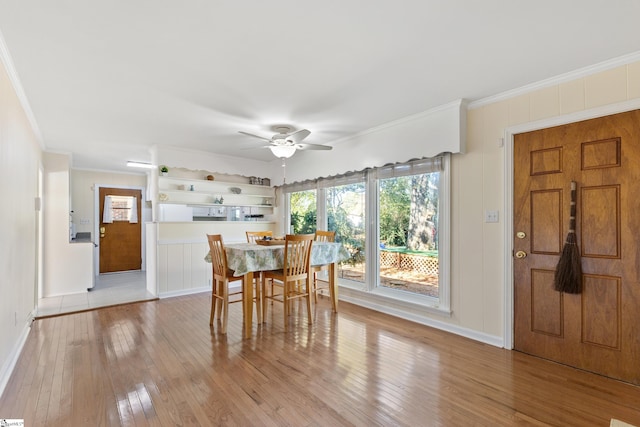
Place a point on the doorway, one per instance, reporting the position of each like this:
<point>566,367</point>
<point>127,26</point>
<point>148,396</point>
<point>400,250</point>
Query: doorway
<point>597,330</point>
<point>119,230</point>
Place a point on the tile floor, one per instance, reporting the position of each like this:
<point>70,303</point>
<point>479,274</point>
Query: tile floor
<point>110,289</point>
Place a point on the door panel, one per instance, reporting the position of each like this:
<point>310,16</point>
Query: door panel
<point>121,242</point>
<point>600,209</point>
<point>601,311</point>
<point>599,329</point>
<point>546,230</point>
<point>546,304</point>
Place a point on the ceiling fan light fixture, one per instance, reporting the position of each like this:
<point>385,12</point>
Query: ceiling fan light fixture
<point>144,165</point>
<point>282,151</point>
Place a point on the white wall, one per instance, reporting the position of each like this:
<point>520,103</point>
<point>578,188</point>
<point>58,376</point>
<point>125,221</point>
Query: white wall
<point>83,183</point>
<point>216,163</point>
<point>20,157</point>
<point>68,267</point>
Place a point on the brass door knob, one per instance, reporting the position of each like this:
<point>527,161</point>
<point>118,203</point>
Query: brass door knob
<point>521,254</point>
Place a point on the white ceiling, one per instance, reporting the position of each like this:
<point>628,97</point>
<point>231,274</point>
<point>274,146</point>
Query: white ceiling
<point>106,80</point>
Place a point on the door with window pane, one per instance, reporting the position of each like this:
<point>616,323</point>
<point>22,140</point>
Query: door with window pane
<point>120,230</point>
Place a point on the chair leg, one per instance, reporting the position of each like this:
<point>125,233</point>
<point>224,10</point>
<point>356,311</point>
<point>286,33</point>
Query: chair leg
<point>314,287</point>
<point>285,308</point>
<point>259,312</point>
<point>263,285</point>
<point>308,298</point>
<point>214,303</point>
<point>220,293</point>
<point>225,307</point>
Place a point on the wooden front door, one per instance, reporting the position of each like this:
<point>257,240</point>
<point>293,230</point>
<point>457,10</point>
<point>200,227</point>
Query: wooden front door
<point>120,240</point>
<point>599,329</point>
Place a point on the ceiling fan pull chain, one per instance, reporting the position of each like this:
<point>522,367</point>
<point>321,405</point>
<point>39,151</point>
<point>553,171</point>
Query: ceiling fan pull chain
<point>284,171</point>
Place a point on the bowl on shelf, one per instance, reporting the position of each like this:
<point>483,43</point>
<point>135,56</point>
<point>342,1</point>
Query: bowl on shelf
<point>235,190</point>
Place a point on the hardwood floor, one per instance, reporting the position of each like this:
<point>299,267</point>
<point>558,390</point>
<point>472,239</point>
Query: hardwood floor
<point>158,363</point>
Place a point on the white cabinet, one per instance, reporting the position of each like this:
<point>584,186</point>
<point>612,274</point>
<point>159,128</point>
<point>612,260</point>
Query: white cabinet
<point>175,213</point>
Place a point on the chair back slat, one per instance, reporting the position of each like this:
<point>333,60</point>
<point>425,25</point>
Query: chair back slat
<point>218,255</point>
<point>325,236</point>
<point>252,236</point>
<point>297,254</point>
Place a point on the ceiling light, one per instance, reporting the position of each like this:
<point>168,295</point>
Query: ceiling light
<point>140,165</point>
<point>282,151</point>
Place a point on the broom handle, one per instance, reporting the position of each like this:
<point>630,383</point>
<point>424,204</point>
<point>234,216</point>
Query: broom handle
<point>572,212</point>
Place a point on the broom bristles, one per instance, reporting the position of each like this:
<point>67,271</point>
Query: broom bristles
<point>568,276</point>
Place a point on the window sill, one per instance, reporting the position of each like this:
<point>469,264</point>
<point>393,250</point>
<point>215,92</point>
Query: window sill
<point>389,301</point>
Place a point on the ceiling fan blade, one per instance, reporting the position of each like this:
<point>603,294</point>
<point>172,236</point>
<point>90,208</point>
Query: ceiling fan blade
<point>298,135</point>
<point>303,146</point>
<point>253,148</point>
<point>255,136</point>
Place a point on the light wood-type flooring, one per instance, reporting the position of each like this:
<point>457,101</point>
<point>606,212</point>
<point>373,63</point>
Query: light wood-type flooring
<point>158,363</point>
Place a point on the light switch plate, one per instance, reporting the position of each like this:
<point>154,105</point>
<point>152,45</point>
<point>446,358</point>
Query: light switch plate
<point>491,216</point>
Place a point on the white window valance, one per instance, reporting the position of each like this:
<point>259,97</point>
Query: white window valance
<point>424,135</point>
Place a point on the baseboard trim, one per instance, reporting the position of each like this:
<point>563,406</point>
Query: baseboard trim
<point>12,361</point>
<point>493,340</point>
<point>182,292</point>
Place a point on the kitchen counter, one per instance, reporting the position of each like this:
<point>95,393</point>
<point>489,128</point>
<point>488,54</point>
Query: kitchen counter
<point>84,237</point>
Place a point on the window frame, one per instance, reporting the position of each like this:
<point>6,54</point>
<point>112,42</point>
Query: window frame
<point>370,178</point>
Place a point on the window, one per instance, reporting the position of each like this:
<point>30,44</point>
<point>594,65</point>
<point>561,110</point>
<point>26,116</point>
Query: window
<point>345,206</point>
<point>408,230</point>
<point>394,223</point>
<point>120,208</point>
<point>303,212</point>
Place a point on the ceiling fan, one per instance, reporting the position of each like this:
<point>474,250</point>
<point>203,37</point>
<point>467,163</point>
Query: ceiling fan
<point>287,140</point>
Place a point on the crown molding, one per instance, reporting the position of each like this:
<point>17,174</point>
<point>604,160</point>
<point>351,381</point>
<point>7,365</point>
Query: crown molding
<point>461,104</point>
<point>562,78</point>
<point>5,58</point>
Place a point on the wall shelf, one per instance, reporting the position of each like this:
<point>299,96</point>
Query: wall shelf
<point>177,190</point>
<point>253,200</point>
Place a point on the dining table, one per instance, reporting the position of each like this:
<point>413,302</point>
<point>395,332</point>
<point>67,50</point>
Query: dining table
<point>245,259</point>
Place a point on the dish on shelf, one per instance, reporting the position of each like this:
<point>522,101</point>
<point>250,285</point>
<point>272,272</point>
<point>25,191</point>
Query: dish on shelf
<point>163,197</point>
<point>235,190</point>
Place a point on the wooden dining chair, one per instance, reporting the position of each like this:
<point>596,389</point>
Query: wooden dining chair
<point>294,275</point>
<point>320,236</point>
<point>222,276</point>
<point>252,236</point>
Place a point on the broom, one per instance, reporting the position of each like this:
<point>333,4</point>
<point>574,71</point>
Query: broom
<point>568,276</point>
